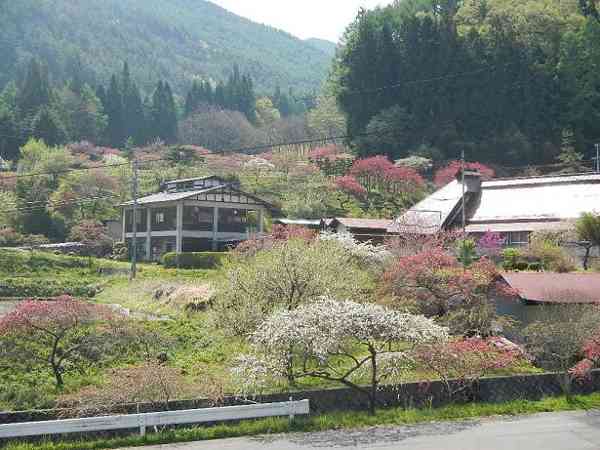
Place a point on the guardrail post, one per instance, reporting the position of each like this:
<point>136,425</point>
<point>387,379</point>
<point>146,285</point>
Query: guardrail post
<point>291,409</point>
<point>142,419</point>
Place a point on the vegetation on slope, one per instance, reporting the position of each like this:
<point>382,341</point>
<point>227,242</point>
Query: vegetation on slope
<point>174,39</point>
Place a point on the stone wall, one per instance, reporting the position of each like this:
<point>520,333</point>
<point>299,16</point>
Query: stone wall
<point>500,389</point>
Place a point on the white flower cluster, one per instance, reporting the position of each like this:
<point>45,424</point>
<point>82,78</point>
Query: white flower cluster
<point>366,252</point>
<point>329,327</point>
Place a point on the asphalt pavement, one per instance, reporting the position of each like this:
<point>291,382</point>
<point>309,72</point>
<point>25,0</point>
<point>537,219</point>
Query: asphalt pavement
<point>552,431</point>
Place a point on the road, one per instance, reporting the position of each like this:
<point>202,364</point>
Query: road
<point>555,431</point>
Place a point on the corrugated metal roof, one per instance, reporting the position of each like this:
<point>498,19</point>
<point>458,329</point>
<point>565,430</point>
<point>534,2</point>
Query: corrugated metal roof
<point>429,215</point>
<point>541,180</point>
<point>374,224</point>
<point>558,200</point>
<point>555,287</point>
<point>507,227</point>
<point>163,197</point>
<point>512,204</point>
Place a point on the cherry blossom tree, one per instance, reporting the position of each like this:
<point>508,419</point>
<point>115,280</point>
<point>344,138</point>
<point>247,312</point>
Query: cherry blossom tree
<point>350,185</point>
<point>446,174</point>
<point>378,173</point>
<point>337,341</point>
<point>62,335</point>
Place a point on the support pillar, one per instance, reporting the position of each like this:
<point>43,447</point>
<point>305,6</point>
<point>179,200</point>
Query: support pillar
<point>261,221</point>
<point>149,234</point>
<point>215,230</point>
<point>179,243</point>
<point>124,237</point>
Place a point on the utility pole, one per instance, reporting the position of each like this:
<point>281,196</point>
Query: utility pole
<point>135,211</point>
<point>464,201</point>
<point>598,158</point>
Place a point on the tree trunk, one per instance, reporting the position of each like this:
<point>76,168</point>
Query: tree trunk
<point>374,386</point>
<point>586,258</point>
<point>58,376</point>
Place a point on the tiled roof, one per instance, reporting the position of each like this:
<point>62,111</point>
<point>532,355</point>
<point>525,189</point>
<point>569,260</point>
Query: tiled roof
<point>556,287</point>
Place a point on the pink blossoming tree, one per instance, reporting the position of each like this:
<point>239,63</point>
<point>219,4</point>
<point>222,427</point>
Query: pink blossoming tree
<point>62,335</point>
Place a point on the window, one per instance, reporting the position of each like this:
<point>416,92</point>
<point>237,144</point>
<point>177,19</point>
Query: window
<point>141,216</point>
<point>196,218</point>
<point>233,220</point>
<point>164,219</point>
<point>518,238</point>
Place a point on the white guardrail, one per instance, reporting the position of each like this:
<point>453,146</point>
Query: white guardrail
<point>141,421</point>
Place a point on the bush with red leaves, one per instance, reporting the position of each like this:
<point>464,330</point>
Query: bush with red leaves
<point>435,283</point>
<point>378,173</point>
<point>460,364</point>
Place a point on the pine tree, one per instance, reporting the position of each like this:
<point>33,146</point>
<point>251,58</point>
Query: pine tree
<point>114,109</point>
<point>47,126</point>
<point>35,92</point>
<point>164,113</point>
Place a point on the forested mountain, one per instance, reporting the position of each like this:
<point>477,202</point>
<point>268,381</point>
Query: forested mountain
<point>509,81</point>
<point>175,40</point>
<point>324,45</point>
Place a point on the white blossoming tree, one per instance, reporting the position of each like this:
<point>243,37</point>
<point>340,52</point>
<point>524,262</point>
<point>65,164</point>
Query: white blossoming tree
<point>367,253</point>
<point>340,341</point>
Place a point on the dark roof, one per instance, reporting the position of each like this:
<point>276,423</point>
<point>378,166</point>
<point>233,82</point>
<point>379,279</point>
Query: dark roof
<point>555,287</point>
<point>186,180</point>
<point>163,197</point>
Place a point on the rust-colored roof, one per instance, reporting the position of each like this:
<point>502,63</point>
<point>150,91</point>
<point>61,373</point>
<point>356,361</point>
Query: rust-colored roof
<point>547,287</point>
<point>374,224</point>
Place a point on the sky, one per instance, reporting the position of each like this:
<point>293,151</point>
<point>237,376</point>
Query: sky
<point>325,19</point>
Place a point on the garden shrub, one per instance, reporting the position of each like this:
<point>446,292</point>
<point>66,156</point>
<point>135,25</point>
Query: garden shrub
<point>552,256</point>
<point>44,287</point>
<point>522,265</point>
<point>535,266</point>
<point>511,257</point>
<point>203,260</point>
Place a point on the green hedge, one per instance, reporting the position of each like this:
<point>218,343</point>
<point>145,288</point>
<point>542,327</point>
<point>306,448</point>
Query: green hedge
<point>204,260</point>
<point>44,287</point>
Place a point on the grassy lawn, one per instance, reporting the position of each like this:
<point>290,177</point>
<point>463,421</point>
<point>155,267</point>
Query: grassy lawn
<point>338,420</point>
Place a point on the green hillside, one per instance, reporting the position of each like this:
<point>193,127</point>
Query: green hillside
<point>169,39</point>
<point>324,45</point>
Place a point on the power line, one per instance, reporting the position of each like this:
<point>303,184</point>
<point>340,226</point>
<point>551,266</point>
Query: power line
<point>60,204</point>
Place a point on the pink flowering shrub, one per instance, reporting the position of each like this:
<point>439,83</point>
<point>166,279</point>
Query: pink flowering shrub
<point>327,152</point>
<point>491,243</point>
<point>591,353</point>
<point>351,186</point>
<point>460,364</point>
<point>61,335</point>
<point>434,283</point>
<point>445,175</point>
<point>378,173</point>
